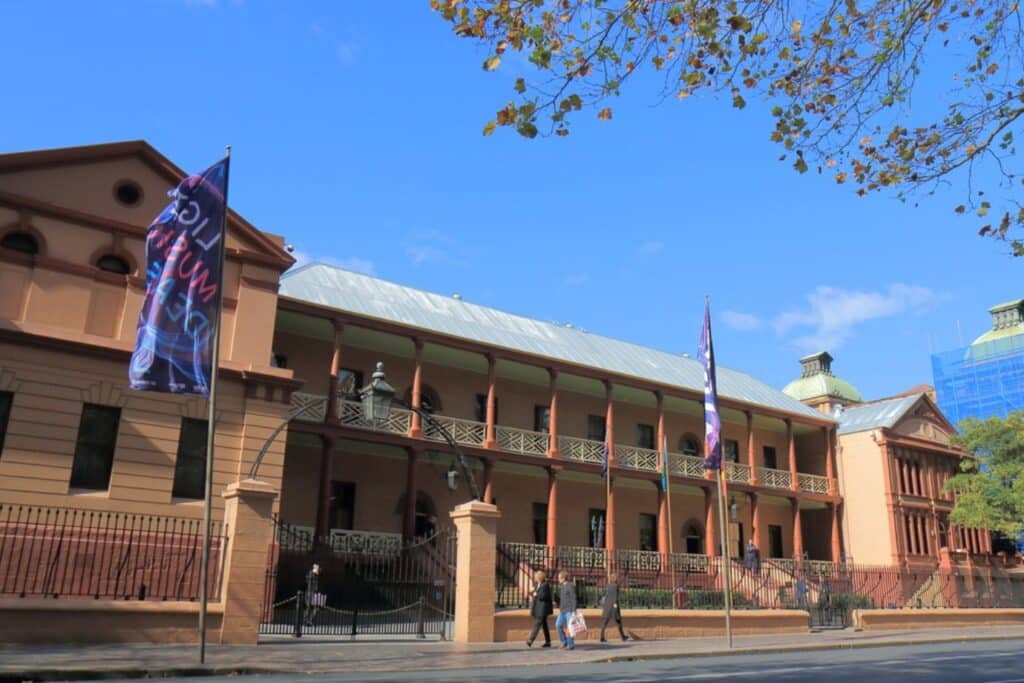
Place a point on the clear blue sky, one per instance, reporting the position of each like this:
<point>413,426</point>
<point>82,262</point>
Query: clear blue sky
<point>356,134</point>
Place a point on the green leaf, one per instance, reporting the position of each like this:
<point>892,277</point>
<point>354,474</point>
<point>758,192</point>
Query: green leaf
<point>492,63</point>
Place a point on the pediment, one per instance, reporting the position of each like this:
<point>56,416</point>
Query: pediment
<point>925,421</point>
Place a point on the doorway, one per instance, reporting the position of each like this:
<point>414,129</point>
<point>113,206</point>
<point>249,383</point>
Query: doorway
<point>775,541</point>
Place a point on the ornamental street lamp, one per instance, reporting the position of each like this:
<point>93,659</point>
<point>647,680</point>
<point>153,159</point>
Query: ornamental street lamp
<point>378,396</point>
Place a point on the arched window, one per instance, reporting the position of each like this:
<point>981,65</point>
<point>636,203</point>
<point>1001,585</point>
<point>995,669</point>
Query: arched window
<point>693,534</point>
<point>113,264</point>
<point>20,241</point>
<point>689,444</point>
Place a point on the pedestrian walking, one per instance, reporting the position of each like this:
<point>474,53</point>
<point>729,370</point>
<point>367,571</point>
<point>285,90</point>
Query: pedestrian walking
<point>752,560</point>
<point>566,601</point>
<point>541,607</point>
<point>801,591</point>
<point>314,598</point>
<point>610,606</point>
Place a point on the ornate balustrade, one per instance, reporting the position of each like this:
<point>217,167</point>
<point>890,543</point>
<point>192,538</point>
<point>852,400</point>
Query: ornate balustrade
<point>581,450</point>
<point>812,483</point>
<point>522,440</point>
<point>527,442</point>
<point>365,542</point>
<point>580,557</point>
<point>636,458</point>
<point>776,479</point>
<point>638,560</point>
<point>686,465</point>
<point>738,472</point>
<point>296,537</point>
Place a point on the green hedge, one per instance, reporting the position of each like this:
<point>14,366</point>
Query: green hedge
<point>846,601</point>
<point>705,599</point>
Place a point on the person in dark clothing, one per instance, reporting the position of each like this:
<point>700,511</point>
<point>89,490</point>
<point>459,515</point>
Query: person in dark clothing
<point>753,558</point>
<point>610,607</point>
<point>312,593</point>
<point>566,601</point>
<point>540,609</point>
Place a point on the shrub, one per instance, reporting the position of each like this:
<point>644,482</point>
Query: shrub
<point>706,599</point>
<point>848,601</point>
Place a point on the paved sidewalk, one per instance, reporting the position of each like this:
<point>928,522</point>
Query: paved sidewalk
<point>310,655</point>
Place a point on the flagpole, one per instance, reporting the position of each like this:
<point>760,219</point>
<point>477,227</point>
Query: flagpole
<point>726,562</point>
<point>211,426</point>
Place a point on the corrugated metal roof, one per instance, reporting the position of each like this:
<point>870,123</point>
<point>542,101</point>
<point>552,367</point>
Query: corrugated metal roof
<point>882,414</point>
<point>345,290</point>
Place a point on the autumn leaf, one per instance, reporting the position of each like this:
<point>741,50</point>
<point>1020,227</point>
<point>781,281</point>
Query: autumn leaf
<point>605,114</point>
<point>492,63</point>
<point>489,128</point>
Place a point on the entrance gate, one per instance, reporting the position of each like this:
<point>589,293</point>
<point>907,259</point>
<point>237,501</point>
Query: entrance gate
<point>369,584</point>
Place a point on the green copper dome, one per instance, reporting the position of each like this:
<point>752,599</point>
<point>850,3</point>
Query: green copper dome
<point>819,382</point>
<point>1007,321</point>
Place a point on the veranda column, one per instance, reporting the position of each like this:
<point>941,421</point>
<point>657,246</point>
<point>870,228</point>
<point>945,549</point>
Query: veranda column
<point>791,445</point>
<point>490,439</point>
<point>830,460</point>
<point>798,533</point>
<point>323,508</point>
<point>552,522</point>
<point>553,414</point>
<point>711,548</point>
<point>751,449</point>
<point>837,546</point>
<point>755,521</point>
<point>416,424</point>
<point>488,481</point>
<point>409,516</point>
<point>609,435</point>
<point>331,417</point>
<point>663,516</point>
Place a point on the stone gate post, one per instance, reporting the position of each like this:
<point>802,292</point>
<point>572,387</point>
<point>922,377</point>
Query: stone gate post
<point>476,556</point>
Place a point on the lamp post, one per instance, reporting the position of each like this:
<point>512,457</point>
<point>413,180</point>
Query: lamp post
<point>378,397</point>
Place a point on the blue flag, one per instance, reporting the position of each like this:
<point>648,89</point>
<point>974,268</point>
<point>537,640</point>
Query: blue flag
<point>712,422</point>
<point>664,465</point>
<point>181,309</point>
<point>604,459</point>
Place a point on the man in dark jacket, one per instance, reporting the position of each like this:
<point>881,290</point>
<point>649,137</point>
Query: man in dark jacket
<point>540,609</point>
<point>610,606</point>
<point>566,601</point>
<point>312,593</point>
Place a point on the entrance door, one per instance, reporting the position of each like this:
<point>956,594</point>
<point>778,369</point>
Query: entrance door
<point>739,540</point>
<point>774,540</point>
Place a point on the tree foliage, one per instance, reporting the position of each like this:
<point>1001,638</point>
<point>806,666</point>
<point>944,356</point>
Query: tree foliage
<point>990,490</point>
<point>839,77</point>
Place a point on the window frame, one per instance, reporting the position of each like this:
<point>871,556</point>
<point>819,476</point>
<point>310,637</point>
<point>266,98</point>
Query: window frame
<point>593,433</point>
<point>187,463</point>
<point>765,450</point>
<point>80,468</point>
<point>542,418</point>
<point>6,408</point>
<point>652,531</point>
<point>642,432</point>
<point>540,523</point>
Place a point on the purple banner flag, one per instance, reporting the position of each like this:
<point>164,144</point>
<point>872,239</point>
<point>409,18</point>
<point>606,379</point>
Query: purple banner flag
<point>181,309</point>
<point>712,422</point>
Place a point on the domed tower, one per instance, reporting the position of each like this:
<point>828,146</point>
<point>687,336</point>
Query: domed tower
<point>819,388</point>
<point>1007,323</point>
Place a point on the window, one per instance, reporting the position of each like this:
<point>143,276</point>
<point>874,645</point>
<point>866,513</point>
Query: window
<point>694,539</point>
<point>774,540</point>
<point>648,532</point>
<point>540,523</point>
<point>542,419</point>
<point>689,444</point>
<point>343,505</point>
<point>6,399</point>
<point>595,427</point>
<point>278,360</point>
<point>94,449</point>
<point>430,400</point>
<point>349,383</point>
<point>595,523</point>
<point>20,241</point>
<point>645,436</point>
<point>732,450</point>
<point>128,193</point>
<point>770,461</point>
<point>113,264</point>
<point>190,467</point>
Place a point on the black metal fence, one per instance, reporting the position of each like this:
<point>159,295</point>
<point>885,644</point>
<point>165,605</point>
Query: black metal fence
<point>70,553</point>
<point>369,585</point>
<point>828,590</point>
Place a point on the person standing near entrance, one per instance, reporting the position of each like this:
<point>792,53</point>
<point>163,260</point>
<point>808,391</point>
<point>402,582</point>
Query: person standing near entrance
<point>566,601</point>
<point>753,558</point>
<point>610,606</point>
<point>541,607</point>
<point>313,596</point>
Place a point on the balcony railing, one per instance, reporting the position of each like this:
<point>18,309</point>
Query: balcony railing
<point>528,442</point>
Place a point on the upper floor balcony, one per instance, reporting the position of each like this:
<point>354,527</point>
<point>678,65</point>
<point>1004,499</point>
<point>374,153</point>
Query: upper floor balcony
<point>473,433</point>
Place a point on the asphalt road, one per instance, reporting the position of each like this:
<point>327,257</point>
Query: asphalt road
<point>969,662</point>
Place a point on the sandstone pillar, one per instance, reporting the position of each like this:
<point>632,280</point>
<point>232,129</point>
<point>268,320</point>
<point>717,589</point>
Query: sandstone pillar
<point>477,526</point>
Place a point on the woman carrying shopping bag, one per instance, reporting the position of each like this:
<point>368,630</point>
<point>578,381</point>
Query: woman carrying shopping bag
<point>566,601</point>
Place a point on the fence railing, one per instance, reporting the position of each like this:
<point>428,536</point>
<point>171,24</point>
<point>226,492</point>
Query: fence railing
<point>681,581</point>
<point>69,553</point>
<point>582,450</point>
<point>637,458</point>
<point>776,479</point>
<point>522,440</point>
<point>812,483</point>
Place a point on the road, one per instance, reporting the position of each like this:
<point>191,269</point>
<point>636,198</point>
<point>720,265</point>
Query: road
<point>969,662</point>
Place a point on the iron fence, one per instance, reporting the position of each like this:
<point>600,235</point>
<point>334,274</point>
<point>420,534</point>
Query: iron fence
<point>829,591</point>
<point>71,553</point>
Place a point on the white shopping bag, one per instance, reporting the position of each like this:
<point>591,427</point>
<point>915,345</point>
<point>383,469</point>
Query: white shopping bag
<point>577,624</point>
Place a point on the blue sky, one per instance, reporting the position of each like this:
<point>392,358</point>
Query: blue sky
<point>356,134</point>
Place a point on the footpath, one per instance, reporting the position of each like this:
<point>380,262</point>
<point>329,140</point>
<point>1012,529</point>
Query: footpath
<point>313,656</point>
